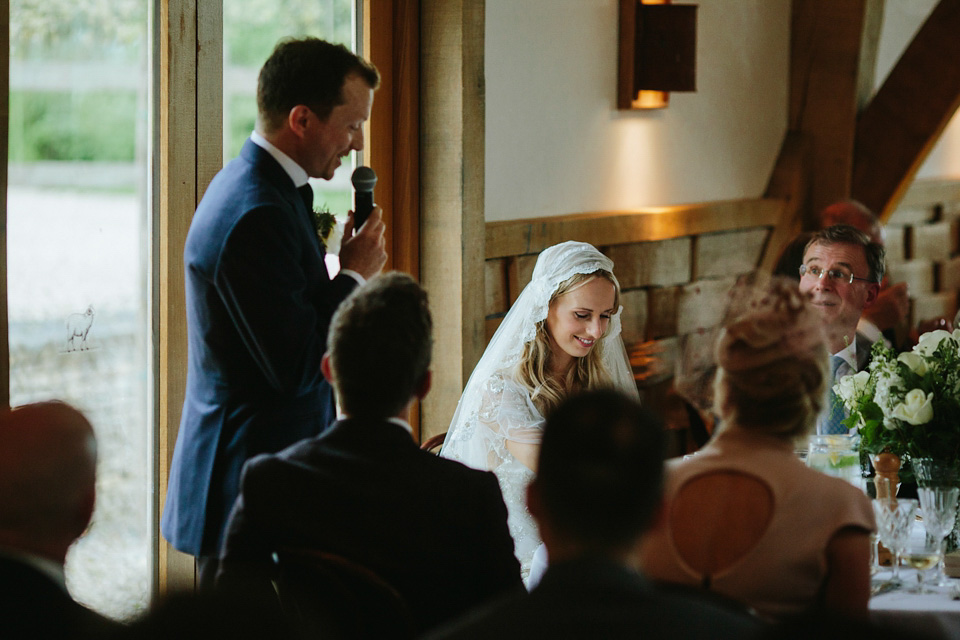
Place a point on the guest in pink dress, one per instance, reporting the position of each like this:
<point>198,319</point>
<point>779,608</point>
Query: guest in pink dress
<point>744,517</point>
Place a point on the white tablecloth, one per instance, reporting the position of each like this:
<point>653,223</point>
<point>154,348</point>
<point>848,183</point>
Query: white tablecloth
<point>935,615</point>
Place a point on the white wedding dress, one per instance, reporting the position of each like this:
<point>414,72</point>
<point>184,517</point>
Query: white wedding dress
<point>495,408</point>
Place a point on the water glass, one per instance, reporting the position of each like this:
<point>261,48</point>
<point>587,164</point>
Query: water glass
<point>895,517</point>
<point>939,509</point>
<point>836,455</point>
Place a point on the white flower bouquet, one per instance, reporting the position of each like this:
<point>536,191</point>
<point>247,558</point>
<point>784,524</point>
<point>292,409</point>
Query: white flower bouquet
<point>908,403</point>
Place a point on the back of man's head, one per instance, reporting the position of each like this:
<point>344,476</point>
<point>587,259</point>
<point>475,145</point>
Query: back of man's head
<point>853,213</point>
<point>48,460</point>
<point>379,346</point>
<point>600,470</point>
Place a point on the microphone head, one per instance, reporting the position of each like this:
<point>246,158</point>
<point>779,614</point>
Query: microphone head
<point>363,179</point>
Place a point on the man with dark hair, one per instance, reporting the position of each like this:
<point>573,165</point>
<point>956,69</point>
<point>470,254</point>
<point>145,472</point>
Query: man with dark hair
<point>259,299</point>
<point>841,272</point>
<point>597,491</point>
<point>433,529</point>
<point>888,314</point>
<point>48,459</point>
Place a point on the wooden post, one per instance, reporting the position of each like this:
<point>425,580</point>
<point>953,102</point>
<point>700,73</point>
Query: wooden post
<point>452,183</point>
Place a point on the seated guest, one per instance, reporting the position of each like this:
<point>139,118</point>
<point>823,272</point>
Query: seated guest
<point>888,314</point>
<point>48,460</point>
<point>841,272</point>
<point>745,517</point>
<point>433,529</point>
<point>596,491</point>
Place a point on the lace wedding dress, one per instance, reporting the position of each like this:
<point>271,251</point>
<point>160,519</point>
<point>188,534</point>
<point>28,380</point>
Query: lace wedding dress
<point>495,408</point>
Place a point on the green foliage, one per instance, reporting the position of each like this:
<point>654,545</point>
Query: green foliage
<point>72,126</point>
<point>78,29</point>
<point>878,402</point>
<point>252,28</point>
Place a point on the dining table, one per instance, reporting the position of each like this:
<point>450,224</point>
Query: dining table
<point>935,614</point>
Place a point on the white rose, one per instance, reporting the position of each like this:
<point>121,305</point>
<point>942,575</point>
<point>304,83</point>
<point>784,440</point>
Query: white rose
<point>916,363</point>
<point>929,341</point>
<point>849,388</point>
<point>916,408</point>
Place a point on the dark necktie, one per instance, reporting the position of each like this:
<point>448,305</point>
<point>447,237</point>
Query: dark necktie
<point>306,192</point>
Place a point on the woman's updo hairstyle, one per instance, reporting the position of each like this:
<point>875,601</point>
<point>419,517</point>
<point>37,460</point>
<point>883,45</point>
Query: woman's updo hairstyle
<point>772,360</point>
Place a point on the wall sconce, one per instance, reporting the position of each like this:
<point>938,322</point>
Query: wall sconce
<point>658,52</point>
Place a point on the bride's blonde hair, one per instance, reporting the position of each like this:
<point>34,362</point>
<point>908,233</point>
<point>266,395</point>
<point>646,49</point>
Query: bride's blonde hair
<point>588,372</point>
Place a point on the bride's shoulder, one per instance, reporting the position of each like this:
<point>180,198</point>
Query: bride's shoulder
<point>501,383</point>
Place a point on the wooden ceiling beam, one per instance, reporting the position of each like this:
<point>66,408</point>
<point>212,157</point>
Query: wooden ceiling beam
<point>830,52</point>
<point>897,129</point>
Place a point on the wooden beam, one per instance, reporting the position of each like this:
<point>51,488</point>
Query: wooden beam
<point>392,36</point>
<point>790,182</point>
<point>909,112</point>
<point>451,206</point>
<point>825,55</point>
<point>186,42</point>
<point>519,237</point>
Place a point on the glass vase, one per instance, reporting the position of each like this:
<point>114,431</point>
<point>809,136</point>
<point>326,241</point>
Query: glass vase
<point>934,472</point>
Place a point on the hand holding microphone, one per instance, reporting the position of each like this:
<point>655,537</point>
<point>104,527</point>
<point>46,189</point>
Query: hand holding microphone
<point>364,179</point>
<point>363,251</point>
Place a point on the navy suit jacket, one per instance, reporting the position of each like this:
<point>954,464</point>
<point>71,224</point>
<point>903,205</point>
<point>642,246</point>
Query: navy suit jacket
<point>433,528</point>
<point>259,303</point>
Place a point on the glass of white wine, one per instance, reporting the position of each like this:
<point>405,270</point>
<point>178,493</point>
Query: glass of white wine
<point>921,553</point>
<point>938,506</point>
<point>894,520</point>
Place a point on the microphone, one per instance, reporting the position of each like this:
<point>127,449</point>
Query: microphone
<point>364,179</point>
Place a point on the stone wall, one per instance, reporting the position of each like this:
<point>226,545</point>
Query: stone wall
<point>673,287</point>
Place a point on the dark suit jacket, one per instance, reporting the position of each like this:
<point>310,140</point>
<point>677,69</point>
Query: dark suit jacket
<point>32,605</point>
<point>864,355</point>
<point>433,528</point>
<point>259,302</point>
<point>595,598</point>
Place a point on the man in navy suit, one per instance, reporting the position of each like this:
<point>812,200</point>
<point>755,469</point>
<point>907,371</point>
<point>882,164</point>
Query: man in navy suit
<point>48,459</point>
<point>259,300</point>
<point>432,528</point>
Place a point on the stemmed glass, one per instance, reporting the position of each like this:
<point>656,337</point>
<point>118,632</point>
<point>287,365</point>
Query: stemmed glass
<point>895,517</point>
<point>939,509</point>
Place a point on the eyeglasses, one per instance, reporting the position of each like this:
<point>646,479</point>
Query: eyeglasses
<point>837,274</point>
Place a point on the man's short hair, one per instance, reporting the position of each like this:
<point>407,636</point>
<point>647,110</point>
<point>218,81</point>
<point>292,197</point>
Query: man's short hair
<point>845,234</point>
<point>600,471</point>
<point>380,343</point>
<point>310,72</point>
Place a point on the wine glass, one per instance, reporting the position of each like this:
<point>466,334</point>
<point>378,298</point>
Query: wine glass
<point>939,510</point>
<point>921,553</point>
<point>895,517</point>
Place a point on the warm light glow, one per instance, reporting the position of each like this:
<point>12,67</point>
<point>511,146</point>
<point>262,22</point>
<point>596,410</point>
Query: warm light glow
<point>647,99</point>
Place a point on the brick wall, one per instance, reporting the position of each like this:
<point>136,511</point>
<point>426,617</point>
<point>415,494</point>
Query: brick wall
<point>923,251</point>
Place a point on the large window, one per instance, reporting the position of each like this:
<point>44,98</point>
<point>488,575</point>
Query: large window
<point>77,203</point>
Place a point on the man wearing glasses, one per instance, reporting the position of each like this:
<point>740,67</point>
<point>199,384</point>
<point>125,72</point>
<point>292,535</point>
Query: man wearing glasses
<point>841,272</point>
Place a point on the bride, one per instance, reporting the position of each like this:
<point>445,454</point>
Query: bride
<point>562,335</point>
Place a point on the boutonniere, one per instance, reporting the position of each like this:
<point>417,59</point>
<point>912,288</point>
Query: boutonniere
<point>328,229</point>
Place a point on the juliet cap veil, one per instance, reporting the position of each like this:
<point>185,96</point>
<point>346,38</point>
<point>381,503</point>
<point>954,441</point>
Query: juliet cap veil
<point>555,265</point>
